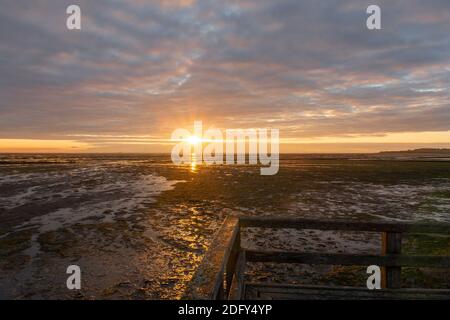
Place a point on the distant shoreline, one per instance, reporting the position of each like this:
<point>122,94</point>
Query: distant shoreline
<point>434,151</point>
<point>419,155</point>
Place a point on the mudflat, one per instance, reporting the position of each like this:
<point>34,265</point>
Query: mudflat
<point>138,225</point>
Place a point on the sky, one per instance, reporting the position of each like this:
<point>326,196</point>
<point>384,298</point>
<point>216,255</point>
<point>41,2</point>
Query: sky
<point>138,70</point>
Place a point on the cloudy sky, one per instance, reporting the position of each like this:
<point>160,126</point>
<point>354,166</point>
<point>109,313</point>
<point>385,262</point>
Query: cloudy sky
<point>139,69</point>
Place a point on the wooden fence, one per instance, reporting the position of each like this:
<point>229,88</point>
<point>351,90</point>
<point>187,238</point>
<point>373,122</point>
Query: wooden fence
<point>221,273</point>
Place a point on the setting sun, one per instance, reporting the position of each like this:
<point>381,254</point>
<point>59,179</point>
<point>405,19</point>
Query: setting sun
<point>194,140</point>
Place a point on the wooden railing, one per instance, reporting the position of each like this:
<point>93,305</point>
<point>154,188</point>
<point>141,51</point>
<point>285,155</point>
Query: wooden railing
<point>222,269</point>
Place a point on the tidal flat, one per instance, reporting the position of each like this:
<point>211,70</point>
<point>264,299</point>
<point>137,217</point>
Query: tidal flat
<point>138,225</point>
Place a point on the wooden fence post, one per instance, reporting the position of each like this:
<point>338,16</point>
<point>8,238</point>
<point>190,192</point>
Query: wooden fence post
<point>230,269</point>
<point>391,244</point>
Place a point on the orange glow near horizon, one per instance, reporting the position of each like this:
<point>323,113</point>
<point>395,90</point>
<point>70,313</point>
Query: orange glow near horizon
<point>332,144</point>
<point>38,145</point>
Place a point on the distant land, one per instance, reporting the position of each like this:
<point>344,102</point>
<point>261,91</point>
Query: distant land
<point>429,154</point>
<point>420,151</point>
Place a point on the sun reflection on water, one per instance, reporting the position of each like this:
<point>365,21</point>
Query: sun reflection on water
<point>194,160</point>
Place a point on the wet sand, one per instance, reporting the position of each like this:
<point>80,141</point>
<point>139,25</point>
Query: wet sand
<point>138,226</point>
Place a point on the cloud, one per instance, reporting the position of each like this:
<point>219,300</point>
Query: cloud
<point>147,67</point>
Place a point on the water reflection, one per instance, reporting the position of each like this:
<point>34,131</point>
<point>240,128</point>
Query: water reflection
<point>194,161</point>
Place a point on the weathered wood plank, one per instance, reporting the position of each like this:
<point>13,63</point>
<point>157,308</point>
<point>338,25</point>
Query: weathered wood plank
<point>392,260</point>
<point>208,281</point>
<point>310,292</point>
<point>391,243</point>
<point>231,264</point>
<point>296,223</point>
<point>240,275</point>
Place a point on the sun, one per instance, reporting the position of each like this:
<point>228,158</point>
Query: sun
<point>193,140</point>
